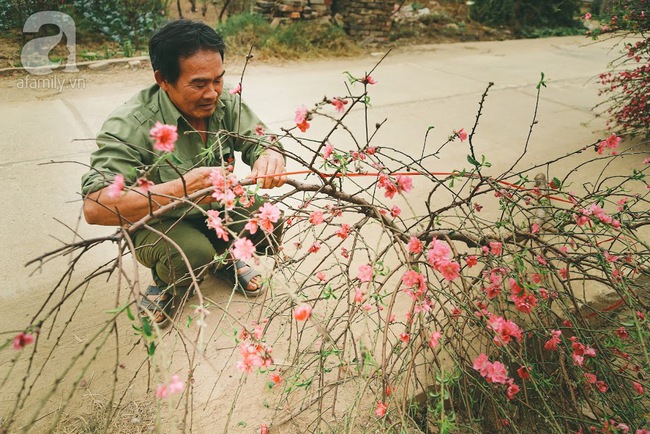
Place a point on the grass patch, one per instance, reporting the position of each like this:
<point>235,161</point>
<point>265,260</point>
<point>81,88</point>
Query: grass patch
<point>300,40</point>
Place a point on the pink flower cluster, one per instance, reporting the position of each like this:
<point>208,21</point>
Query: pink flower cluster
<point>496,283</point>
<point>524,302</point>
<point>175,386</point>
<point>302,114</point>
<point>255,353</point>
<point>402,184</point>
<point>580,351</point>
<point>610,143</point>
<point>439,256</point>
<point>412,278</point>
<point>216,222</point>
<point>505,330</point>
<point>496,372</point>
<point>493,372</point>
<point>551,344</point>
<point>227,189</point>
<point>381,409</point>
<point>164,137</point>
<point>597,212</point>
<point>264,218</point>
<point>592,379</point>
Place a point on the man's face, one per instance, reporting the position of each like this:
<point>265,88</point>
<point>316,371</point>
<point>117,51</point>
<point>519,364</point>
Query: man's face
<point>198,87</point>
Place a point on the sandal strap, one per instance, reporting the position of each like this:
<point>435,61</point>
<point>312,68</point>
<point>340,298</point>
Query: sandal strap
<point>244,278</point>
<point>162,303</point>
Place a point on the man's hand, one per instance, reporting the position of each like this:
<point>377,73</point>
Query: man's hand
<point>270,162</point>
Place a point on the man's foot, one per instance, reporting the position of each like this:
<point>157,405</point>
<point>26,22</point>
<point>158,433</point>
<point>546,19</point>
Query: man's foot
<point>248,280</point>
<point>156,305</point>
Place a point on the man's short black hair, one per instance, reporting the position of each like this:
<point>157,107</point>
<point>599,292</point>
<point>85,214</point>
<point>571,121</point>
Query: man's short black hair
<point>181,39</point>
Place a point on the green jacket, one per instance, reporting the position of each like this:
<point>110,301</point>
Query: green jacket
<point>125,147</point>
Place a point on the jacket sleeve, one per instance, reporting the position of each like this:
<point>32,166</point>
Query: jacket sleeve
<point>122,149</point>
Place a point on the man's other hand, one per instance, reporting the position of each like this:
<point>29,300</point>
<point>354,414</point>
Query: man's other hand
<point>269,163</point>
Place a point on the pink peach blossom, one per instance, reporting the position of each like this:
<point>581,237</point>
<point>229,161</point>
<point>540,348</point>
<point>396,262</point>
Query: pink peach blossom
<point>344,231</point>
<point>302,312</point>
<point>339,104</point>
<point>235,90</point>
<point>243,248</point>
<point>365,273</point>
<point>327,151</point>
<point>215,222</point>
<point>275,378</point>
<point>164,137</point>
<point>267,215</point>
<point>449,269</point>
<point>116,186</point>
<point>434,340</point>
<point>415,245</point>
<point>439,252</point>
<point>496,248</point>
<point>316,218</point>
<point>21,340</point>
<point>145,184</point>
<point>381,409</point>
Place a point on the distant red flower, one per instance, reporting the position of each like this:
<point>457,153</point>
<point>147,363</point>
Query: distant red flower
<point>21,340</point>
<point>368,80</point>
<point>302,312</point>
<point>381,409</point>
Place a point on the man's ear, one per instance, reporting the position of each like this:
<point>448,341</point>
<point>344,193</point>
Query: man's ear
<point>164,84</point>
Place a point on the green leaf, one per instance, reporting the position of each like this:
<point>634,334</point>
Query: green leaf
<point>557,183</point>
<point>146,327</point>
<point>151,350</point>
<point>472,161</point>
<point>175,159</point>
<point>129,314</point>
<point>541,82</point>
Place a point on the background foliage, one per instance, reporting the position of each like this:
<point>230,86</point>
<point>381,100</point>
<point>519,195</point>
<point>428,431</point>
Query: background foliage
<point>523,15</point>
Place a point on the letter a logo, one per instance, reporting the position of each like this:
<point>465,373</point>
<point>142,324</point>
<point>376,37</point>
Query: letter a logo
<point>35,54</point>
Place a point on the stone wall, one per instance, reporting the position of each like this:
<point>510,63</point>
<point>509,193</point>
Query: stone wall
<point>366,20</point>
<point>286,10</point>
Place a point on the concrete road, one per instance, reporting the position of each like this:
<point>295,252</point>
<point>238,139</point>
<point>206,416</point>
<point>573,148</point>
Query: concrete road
<point>54,118</point>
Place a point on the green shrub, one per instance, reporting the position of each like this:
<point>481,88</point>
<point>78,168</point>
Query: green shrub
<point>122,20</point>
<point>14,13</point>
<point>525,14</point>
<point>243,31</point>
<point>286,41</point>
<point>119,20</point>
